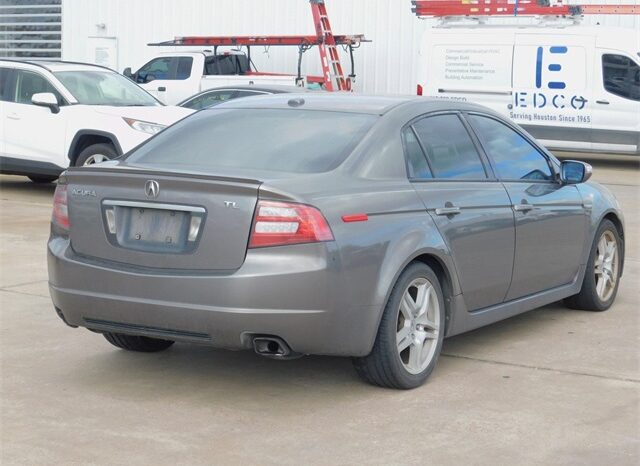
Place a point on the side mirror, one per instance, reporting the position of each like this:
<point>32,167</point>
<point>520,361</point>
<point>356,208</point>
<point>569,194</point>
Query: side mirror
<point>46,99</point>
<point>574,172</point>
<point>127,72</point>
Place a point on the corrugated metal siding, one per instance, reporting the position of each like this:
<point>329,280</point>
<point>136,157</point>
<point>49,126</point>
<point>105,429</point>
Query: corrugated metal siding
<point>387,65</point>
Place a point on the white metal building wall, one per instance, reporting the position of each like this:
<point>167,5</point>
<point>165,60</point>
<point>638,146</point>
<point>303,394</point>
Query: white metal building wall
<point>386,65</point>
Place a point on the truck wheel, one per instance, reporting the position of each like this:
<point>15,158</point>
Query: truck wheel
<point>137,343</point>
<point>43,179</point>
<point>411,331</point>
<point>96,153</point>
<point>602,277</point>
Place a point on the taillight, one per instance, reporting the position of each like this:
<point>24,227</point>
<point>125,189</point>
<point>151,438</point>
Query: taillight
<point>279,223</point>
<point>60,216</point>
<point>419,89</point>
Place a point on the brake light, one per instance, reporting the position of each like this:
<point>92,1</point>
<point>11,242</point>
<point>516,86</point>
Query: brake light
<point>280,223</point>
<point>419,89</point>
<point>60,216</point>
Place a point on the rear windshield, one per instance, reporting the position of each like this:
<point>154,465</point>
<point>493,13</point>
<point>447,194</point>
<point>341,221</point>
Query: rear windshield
<point>293,141</point>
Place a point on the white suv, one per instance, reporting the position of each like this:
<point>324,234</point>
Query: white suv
<point>54,114</point>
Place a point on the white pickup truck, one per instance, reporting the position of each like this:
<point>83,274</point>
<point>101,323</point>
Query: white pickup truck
<point>173,76</point>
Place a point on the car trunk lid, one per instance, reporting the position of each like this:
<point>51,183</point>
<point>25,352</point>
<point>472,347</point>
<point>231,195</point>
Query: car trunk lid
<point>156,219</point>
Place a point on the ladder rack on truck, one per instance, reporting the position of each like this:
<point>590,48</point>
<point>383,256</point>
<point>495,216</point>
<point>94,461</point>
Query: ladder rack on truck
<point>514,8</point>
<point>333,78</point>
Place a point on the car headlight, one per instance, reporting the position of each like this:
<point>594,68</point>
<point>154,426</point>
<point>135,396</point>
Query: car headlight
<point>144,126</point>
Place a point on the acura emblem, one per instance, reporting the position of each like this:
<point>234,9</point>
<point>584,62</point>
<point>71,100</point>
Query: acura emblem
<point>152,188</point>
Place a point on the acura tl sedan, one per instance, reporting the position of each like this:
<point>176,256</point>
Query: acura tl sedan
<point>369,227</point>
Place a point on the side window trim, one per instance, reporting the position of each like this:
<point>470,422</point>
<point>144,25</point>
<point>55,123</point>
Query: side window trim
<point>484,160</point>
<point>517,130</point>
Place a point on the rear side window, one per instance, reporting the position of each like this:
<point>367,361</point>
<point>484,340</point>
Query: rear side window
<point>416,161</point>
<point>514,157</point>
<point>621,76</point>
<point>449,148</point>
<point>291,141</point>
<point>208,99</point>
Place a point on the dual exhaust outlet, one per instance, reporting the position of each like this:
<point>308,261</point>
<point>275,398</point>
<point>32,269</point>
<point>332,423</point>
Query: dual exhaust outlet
<point>273,347</point>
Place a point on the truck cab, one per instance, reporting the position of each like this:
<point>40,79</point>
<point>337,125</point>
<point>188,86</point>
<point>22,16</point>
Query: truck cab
<point>174,76</point>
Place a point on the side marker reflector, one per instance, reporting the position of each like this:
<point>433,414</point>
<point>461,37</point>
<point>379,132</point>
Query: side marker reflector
<point>355,218</point>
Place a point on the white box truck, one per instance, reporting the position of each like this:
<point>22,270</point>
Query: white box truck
<point>574,88</point>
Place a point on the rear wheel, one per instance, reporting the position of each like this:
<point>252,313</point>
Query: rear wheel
<point>411,331</point>
<point>601,279</point>
<point>96,153</point>
<point>137,343</point>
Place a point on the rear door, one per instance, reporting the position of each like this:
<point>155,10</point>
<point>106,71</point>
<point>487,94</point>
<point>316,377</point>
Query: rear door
<point>550,219</point>
<point>552,86</point>
<point>470,207</point>
<point>616,121</point>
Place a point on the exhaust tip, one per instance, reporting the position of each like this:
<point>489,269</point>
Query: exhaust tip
<point>272,347</point>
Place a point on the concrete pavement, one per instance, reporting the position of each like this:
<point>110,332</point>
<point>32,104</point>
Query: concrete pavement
<point>553,386</point>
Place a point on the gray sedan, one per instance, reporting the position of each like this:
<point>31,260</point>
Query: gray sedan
<point>369,227</point>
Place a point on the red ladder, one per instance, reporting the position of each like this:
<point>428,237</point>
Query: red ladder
<point>334,78</point>
<point>475,8</point>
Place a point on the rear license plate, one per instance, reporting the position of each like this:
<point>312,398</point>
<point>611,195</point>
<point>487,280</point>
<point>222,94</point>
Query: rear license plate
<point>154,228</point>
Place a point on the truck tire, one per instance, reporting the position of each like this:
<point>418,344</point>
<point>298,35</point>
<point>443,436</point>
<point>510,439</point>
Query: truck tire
<point>95,153</point>
<point>410,334</point>
<point>137,343</point>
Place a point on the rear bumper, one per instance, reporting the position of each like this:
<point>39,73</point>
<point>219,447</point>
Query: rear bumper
<point>291,292</point>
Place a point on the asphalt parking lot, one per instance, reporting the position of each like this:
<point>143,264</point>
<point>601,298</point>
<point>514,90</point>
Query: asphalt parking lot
<point>553,386</point>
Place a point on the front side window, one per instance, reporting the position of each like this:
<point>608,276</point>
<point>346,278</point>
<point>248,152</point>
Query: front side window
<point>289,141</point>
<point>621,76</point>
<point>165,68</point>
<point>29,83</point>
<point>514,157</point>
<point>104,88</point>
<point>449,148</point>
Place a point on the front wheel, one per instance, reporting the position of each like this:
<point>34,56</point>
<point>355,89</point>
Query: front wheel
<point>411,331</point>
<point>602,277</point>
<point>96,153</point>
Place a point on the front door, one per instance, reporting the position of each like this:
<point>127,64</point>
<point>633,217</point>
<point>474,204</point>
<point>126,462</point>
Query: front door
<point>169,79</point>
<point>32,132</point>
<point>616,123</point>
<point>550,219</point>
<point>471,210</point>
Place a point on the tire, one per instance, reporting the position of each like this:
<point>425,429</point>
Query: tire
<point>592,297</point>
<point>43,179</point>
<point>91,154</point>
<point>137,343</point>
<point>388,365</point>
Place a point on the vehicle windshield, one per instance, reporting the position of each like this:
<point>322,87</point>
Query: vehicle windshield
<point>104,88</point>
<point>290,141</point>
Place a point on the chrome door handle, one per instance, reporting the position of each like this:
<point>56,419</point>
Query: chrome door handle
<point>13,116</point>
<point>522,207</point>
<point>448,211</point>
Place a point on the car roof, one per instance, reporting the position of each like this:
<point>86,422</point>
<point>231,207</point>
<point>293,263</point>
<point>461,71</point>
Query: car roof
<point>344,102</point>
<point>58,65</point>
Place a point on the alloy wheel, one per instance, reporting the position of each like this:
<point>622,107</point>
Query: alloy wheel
<point>418,325</point>
<point>95,158</point>
<point>606,265</point>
